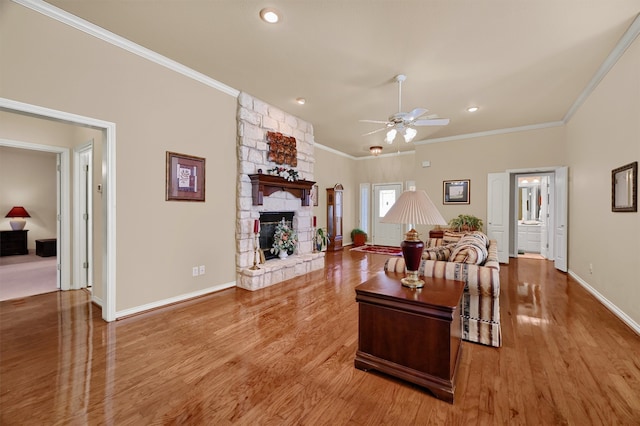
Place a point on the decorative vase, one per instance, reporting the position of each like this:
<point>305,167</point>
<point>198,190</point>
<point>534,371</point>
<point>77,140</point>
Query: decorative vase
<point>282,254</point>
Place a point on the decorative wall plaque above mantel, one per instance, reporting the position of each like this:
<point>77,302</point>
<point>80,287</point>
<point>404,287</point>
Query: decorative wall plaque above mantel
<point>265,185</point>
<point>282,149</point>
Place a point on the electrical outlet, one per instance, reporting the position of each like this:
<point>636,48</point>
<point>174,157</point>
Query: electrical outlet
<point>194,271</point>
<point>591,268</point>
<point>201,269</point>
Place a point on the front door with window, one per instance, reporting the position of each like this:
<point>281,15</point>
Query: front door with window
<point>385,196</point>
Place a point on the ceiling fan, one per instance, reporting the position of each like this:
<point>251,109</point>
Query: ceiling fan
<point>404,122</point>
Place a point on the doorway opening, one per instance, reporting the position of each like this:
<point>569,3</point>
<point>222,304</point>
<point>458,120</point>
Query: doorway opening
<point>108,202</point>
<point>533,215</point>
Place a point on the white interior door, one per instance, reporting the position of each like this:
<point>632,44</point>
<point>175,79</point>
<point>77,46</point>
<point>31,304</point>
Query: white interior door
<point>561,188</point>
<point>83,224</point>
<point>498,213</point>
<point>544,208</point>
<point>385,196</point>
<point>59,234</point>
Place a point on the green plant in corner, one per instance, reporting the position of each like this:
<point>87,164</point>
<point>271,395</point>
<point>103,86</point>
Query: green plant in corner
<point>465,222</point>
<point>359,237</point>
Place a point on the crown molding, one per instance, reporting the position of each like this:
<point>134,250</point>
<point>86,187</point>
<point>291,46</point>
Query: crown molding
<point>121,42</point>
<point>391,154</point>
<point>334,151</point>
<point>492,132</point>
<point>625,41</point>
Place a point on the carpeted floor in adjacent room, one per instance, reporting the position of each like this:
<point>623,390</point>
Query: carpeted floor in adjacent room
<point>26,275</point>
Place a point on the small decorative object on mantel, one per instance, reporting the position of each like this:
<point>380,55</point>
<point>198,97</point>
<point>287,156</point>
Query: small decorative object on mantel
<point>284,240</point>
<point>282,149</point>
<point>289,174</point>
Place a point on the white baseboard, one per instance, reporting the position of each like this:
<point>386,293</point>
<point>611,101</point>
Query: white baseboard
<point>171,300</point>
<point>96,300</point>
<point>608,304</point>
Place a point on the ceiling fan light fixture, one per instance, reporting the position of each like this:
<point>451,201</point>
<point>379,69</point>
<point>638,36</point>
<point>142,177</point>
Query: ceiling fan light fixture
<point>269,15</point>
<point>391,135</point>
<point>375,150</point>
<point>409,134</point>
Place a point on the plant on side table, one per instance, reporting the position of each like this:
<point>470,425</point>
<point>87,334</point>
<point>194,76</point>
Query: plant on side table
<point>465,222</point>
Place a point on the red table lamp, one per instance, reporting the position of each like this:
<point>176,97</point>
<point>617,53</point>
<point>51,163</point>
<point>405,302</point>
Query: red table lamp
<point>17,215</point>
<point>413,208</point>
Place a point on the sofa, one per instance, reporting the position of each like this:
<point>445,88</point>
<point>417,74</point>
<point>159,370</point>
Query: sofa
<point>472,258</point>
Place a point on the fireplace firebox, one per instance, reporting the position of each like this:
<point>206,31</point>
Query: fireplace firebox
<point>268,223</point>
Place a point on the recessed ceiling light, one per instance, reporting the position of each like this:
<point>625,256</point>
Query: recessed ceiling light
<point>301,101</point>
<point>269,15</point>
<point>473,109</point>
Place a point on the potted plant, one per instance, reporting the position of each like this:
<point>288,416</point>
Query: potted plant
<point>465,222</point>
<point>322,239</point>
<point>359,237</point>
<point>284,240</point>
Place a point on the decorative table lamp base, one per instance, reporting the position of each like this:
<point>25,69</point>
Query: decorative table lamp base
<point>412,249</point>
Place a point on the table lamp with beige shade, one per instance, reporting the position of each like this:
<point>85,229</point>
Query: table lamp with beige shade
<point>413,207</point>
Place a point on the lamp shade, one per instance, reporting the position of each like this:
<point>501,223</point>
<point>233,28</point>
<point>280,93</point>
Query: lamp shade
<point>414,208</point>
<point>18,211</point>
<point>17,215</point>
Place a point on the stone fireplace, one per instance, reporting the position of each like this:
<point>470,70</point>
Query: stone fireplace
<point>262,195</point>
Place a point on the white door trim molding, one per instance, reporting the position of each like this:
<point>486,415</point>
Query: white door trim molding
<point>109,189</point>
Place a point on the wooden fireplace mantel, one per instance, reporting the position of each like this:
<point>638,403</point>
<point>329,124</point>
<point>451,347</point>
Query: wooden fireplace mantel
<point>265,185</point>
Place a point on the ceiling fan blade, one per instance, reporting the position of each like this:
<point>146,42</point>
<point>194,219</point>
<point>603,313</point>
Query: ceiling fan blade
<point>373,121</point>
<point>375,131</point>
<point>432,122</point>
<point>416,113</point>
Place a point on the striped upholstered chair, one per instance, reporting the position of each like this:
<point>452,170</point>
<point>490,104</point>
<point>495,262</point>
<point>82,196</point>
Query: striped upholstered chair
<point>481,298</point>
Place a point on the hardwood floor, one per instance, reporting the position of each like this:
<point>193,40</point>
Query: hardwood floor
<point>284,355</point>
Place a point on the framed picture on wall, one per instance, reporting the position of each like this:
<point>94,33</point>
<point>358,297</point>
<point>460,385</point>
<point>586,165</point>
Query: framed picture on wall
<point>184,180</point>
<point>624,188</point>
<point>314,194</point>
<point>456,191</point>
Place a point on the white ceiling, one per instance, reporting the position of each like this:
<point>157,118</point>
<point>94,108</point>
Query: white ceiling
<point>522,62</point>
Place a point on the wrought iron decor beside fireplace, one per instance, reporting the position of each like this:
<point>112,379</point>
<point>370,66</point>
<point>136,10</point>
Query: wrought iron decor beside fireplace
<point>268,223</point>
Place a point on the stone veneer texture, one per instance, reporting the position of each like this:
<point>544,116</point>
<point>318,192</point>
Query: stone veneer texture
<point>255,118</point>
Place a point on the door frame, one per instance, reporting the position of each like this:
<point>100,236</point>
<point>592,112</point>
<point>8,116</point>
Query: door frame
<point>109,190</point>
<point>559,248</point>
